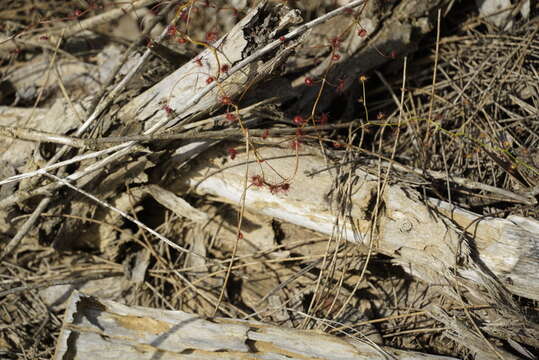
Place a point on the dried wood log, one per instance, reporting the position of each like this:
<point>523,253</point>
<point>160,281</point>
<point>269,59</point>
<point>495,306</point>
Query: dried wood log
<point>430,239</point>
<point>102,329</point>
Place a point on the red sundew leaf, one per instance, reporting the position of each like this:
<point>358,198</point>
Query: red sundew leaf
<point>285,187</point>
<point>211,36</point>
<point>168,109</point>
<point>323,119</point>
<point>171,30</point>
<point>225,100</point>
<point>298,120</point>
<point>232,153</point>
<point>257,180</point>
<point>336,42</point>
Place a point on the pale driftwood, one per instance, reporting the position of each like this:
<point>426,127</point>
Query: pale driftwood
<point>430,239</point>
<point>462,334</point>
<point>16,152</point>
<point>501,13</point>
<point>100,329</point>
<point>43,75</point>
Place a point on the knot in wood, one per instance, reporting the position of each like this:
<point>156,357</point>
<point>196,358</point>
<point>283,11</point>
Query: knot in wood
<point>405,226</point>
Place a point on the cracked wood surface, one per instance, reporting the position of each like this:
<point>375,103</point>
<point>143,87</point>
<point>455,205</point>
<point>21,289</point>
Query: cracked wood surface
<point>431,239</point>
<point>101,329</point>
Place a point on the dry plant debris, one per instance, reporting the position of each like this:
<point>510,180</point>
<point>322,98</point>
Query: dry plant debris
<point>164,154</point>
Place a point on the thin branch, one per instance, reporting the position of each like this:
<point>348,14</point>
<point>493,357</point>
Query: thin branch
<point>223,134</point>
<point>50,283</point>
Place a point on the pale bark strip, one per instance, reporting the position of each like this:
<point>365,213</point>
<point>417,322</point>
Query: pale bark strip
<point>100,329</point>
<point>426,238</point>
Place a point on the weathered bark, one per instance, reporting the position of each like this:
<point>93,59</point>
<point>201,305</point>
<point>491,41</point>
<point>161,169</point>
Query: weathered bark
<point>101,329</point>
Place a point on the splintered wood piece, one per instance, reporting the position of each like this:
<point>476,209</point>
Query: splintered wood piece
<point>430,239</point>
<point>101,329</point>
<point>175,95</point>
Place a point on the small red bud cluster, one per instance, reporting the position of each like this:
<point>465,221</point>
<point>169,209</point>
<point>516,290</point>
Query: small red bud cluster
<point>211,36</point>
<point>258,181</point>
<point>232,153</point>
<point>168,110</point>
<point>276,189</point>
<point>231,117</point>
<point>298,120</point>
